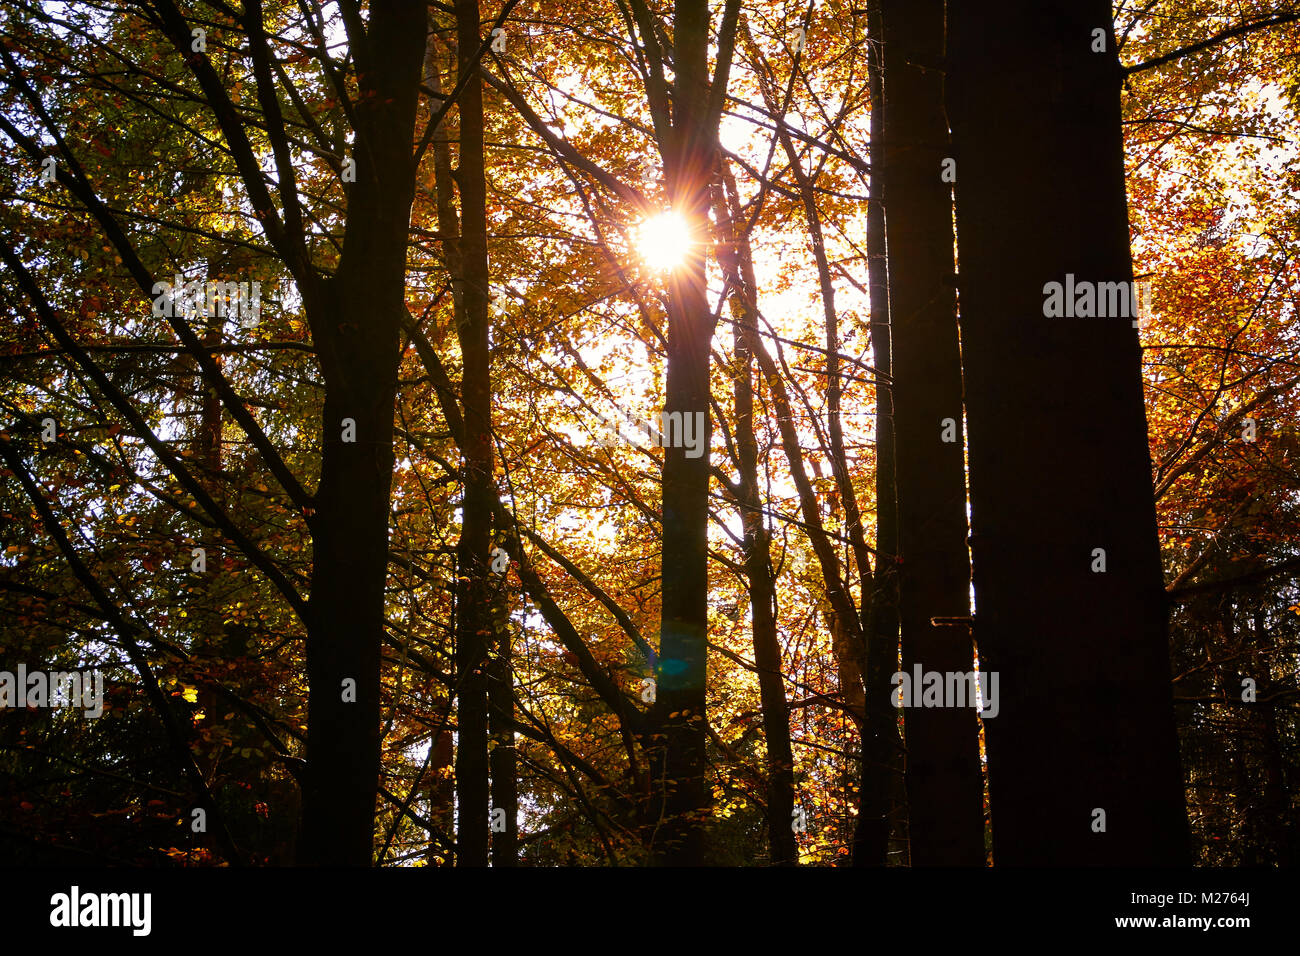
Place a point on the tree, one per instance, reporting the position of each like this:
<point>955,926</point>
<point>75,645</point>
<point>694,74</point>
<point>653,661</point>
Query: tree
<point>880,742</point>
<point>359,363</point>
<point>474,614</point>
<point>945,786</point>
<point>739,266</point>
<point>1069,608</point>
<point>687,142</point>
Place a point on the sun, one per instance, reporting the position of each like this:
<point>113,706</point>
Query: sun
<point>664,240</point>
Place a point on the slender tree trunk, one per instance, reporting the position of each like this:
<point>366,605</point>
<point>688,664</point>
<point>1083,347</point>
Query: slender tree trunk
<point>762,588</point>
<point>442,794</point>
<point>207,453</point>
<point>880,743</point>
<point>844,619</point>
<point>355,326</point>
<point>1276,797</point>
<point>945,786</point>
<point>1059,468</point>
<point>848,644</point>
<point>683,635</point>
<point>209,439</point>
<point>473,597</point>
<point>441,184</point>
<point>501,716</point>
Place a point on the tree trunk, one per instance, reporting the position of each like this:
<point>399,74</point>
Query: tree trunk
<point>1275,797</point>
<point>355,327</point>
<point>473,596</point>
<point>501,717</point>
<point>442,795</point>
<point>848,643</point>
<point>762,588</point>
<point>1059,462</point>
<point>683,635</point>
<point>880,741</point>
<point>945,786</point>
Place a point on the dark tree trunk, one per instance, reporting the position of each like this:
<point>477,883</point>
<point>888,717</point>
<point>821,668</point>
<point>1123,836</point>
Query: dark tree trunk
<point>683,635</point>
<point>1275,797</point>
<point>209,438</point>
<point>355,327</point>
<point>880,748</point>
<point>207,453</point>
<point>1059,462</point>
<point>501,716</point>
<point>945,786</point>
<point>473,596</point>
<point>442,795</point>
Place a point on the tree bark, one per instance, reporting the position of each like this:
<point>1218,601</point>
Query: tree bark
<point>473,593</point>
<point>683,635</point>
<point>442,795</point>
<point>945,785</point>
<point>1059,461</point>
<point>355,327</point>
<point>501,724</point>
<point>880,742</point>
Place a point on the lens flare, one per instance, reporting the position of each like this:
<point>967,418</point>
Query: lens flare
<point>664,240</point>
